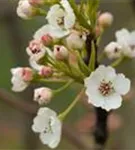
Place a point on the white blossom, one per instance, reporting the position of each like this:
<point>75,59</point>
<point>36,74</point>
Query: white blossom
<point>127,41</point>
<point>49,126</point>
<point>21,78</point>
<point>43,95</point>
<point>104,88</point>
<point>113,50</point>
<point>24,9</point>
<point>61,16</point>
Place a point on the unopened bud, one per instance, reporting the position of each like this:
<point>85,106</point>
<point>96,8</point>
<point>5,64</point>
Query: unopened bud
<point>36,2</point>
<point>46,40</point>
<point>27,74</point>
<point>43,95</point>
<point>46,71</point>
<point>25,10</point>
<point>113,50</point>
<point>76,40</point>
<point>61,52</point>
<point>105,19</point>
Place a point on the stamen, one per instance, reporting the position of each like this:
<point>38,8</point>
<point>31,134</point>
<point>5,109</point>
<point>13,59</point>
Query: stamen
<point>106,88</point>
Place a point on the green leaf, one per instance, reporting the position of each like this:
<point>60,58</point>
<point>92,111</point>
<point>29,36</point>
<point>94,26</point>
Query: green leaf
<point>92,58</point>
<point>79,14</point>
<point>92,11</point>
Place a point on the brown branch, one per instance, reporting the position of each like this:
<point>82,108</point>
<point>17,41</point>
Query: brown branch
<point>26,107</point>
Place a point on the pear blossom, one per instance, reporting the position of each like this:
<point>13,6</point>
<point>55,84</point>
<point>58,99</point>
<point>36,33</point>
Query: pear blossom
<point>104,88</point>
<point>43,95</point>
<point>47,124</point>
<point>60,52</point>
<point>36,50</point>
<point>105,19</point>
<point>76,40</point>
<point>127,41</point>
<point>25,10</point>
<point>61,15</point>
<point>21,78</point>
<point>113,50</point>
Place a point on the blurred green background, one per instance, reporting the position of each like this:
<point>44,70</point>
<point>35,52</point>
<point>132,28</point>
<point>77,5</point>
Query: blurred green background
<point>15,126</point>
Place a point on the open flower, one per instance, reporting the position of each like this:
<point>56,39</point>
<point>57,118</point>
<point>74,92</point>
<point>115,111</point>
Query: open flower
<point>25,10</point>
<point>61,16</point>
<point>49,126</point>
<point>124,45</point>
<point>76,40</point>
<point>127,41</point>
<point>21,78</point>
<point>43,95</point>
<point>36,50</point>
<point>104,88</point>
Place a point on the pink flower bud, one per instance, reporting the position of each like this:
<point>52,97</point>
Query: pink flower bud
<point>46,39</point>
<point>43,95</point>
<point>61,52</point>
<point>76,40</point>
<point>36,2</point>
<point>27,74</point>
<point>46,71</point>
<point>105,19</point>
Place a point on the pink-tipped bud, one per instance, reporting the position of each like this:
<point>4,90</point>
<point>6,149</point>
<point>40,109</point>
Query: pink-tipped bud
<point>46,71</point>
<point>43,95</point>
<point>36,2</point>
<point>105,19</point>
<point>46,40</point>
<point>61,52</point>
<point>27,74</point>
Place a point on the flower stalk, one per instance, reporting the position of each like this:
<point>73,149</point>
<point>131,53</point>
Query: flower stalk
<point>63,115</point>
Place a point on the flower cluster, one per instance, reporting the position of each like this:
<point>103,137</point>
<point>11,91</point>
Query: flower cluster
<point>65,49</point>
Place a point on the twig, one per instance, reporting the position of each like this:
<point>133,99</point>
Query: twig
<point>29,108</point>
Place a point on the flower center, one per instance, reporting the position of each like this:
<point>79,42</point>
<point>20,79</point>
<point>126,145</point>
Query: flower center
<point>48,129</point>
<point>60,21</point>
<point>106,88</point>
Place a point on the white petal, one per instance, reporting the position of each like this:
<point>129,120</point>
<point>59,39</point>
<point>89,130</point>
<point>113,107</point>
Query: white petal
<point>52,139</point>
<point>108,73</point>
<point>112,102</point>
<point>46,111</point>
<point>39,123</point>
<point>34,64</point>
<point>122,84</point>
<point>94,97</point>
<point>69,21</point>
<point>48,29</point>
<point>122,36</point>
